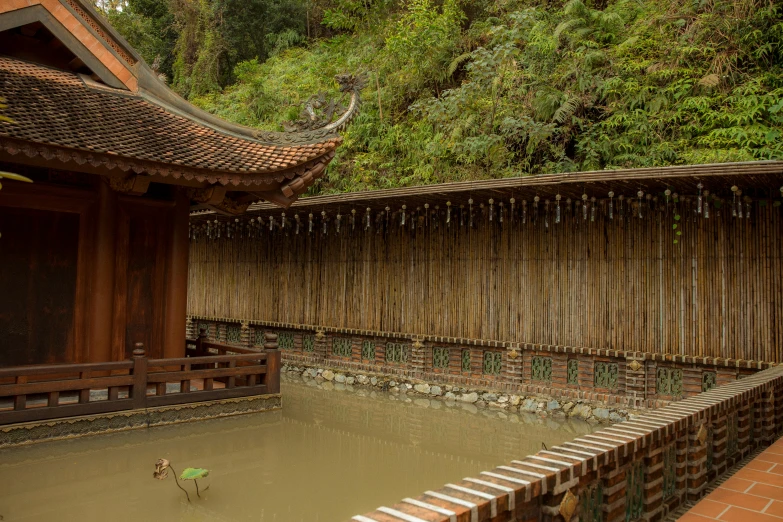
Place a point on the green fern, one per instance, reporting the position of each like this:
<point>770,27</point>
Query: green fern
<point>510,87</point>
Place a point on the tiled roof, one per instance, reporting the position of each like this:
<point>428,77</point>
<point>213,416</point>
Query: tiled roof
<point>76,118</point>
<point>764,177</point>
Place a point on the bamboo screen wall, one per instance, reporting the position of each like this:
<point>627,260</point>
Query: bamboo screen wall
<point>619,284</point>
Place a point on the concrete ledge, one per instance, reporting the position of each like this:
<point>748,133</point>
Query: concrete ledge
<point>73,427</point>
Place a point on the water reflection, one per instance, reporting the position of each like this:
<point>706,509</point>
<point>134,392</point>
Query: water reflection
<point>326,456</point>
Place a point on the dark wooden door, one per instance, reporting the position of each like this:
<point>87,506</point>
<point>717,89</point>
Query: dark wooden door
<point>38,285</point>
<point>143,237</point>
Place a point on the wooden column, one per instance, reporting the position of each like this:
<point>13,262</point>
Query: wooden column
<point>99,325</point>
<point>272,362</point>
<point>177,280</point>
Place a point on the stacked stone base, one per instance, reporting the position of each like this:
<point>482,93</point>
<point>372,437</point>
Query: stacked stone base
<point>480,397</point>
<point>73,427</point>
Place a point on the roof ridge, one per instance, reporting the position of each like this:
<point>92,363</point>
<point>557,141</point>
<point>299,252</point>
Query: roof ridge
<point>542,182</point>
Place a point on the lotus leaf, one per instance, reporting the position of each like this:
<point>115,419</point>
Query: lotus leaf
<point>194,473</point>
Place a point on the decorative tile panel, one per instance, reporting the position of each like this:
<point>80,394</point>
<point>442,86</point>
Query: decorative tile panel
<point>591,500</point>
<point>203,326</point>
<point>493,363</point>
<point>541,369</point>
<point>285,340</point>
<point>397,353</point>
<point>466,360</point>
<point>669,381</point>
<point>708,381</point>
<point>308,343</point>
<point>233,334</point>
<point>669,471</point>
<point>573,371</point>
<point>634,491</point>
<point>606,375</point>
<point>342,347</point>
<point>440,358</point>
<point>732,429</point>
<point>258,339</point>
<point>368,351</point>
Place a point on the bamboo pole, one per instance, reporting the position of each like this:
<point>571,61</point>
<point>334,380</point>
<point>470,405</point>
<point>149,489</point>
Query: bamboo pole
<point>620,284</point>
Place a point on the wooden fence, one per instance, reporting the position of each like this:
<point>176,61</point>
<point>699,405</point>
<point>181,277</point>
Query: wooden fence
<point>40,392</point>
<point>627,283</point>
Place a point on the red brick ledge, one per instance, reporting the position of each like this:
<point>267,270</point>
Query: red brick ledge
<point>509,345</point>
<point>545,485</point>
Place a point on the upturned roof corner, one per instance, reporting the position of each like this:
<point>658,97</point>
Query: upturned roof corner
<point>102,110</point>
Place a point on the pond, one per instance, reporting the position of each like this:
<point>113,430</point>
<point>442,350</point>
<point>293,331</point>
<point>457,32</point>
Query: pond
<point>326,456</point>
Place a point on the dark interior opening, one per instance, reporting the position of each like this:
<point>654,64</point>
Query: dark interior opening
<point>35,43</point>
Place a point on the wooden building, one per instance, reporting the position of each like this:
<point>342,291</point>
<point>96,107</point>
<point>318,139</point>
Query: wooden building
<point>674,261</point>
<point>94,253</point>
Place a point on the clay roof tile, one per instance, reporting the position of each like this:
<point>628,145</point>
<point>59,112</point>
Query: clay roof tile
<point>57,108</point>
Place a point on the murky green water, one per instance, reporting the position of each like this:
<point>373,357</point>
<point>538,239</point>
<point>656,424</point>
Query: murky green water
<point>326,456</point>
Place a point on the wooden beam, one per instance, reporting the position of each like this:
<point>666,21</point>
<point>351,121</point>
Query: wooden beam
<point>76,64</point>
<point>133,185</point>
<point>212,195</point>
<point>276,198</point>
<point>229,207</point>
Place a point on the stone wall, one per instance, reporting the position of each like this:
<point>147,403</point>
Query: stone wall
<point>642,469</point>
<point>625,379</point>
<point>25,433</point>
<point>467,397</point>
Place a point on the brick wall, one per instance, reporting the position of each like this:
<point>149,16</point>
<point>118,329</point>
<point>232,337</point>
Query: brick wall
<point>631,379</point>
<point>640,469</point>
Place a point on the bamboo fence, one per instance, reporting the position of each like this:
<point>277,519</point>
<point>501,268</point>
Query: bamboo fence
<point>621,284</point>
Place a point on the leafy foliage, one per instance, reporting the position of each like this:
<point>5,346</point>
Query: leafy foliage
<point>500,87</point>
<point>148,25</point>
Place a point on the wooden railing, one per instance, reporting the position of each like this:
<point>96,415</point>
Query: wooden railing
<point>201,346</point>
<point>40,392</point>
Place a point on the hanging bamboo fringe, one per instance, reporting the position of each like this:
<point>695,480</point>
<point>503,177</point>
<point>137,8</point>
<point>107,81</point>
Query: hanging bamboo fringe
<point>620,284</point>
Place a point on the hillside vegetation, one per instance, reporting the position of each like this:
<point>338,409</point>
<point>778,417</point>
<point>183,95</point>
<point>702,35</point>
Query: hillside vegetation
<point>470,90</point>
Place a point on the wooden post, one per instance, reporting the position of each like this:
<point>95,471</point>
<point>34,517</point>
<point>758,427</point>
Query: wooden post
<point>20,401</point>
<point>102,281</point>
<point>272,363</point>
<point>84,393</point>
<point>270,341</point>
<point>139,392</point>
<point>202,337</point>
<point>176,290</point>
